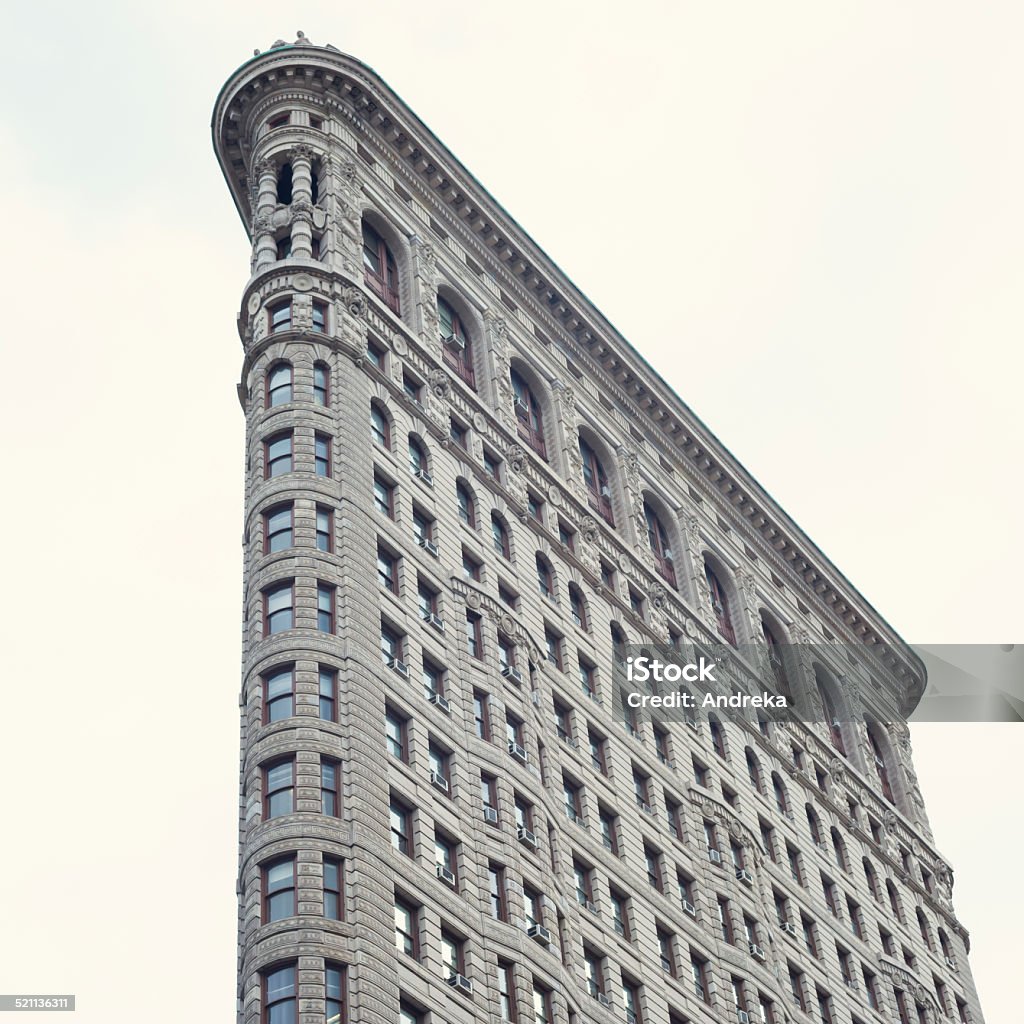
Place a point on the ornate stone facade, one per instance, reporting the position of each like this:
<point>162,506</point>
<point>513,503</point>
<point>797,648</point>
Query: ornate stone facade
<point>421,722</point>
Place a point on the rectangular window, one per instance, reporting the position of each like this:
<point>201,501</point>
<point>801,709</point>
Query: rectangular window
<point>396,735</point>
<point>620,913</point>
<point>325,608</point>
<point>553,644</point>
<point>433,680</point>
<point>333,906</point>
<point>387,569</point>
<point>278,695</point>
<point>334,993</point>
<point>401,827</point>
<point>470,566</point>
<point>384,497</point>
<point>481,715</point>
<point>474,638</point>
<point>322,454</point>
<point>279,995</point>
<point>330,775</point>
<point>278,524</point>
<point>278,789</point>
<point>319,311</point>
<point>328,680</point>
<point>407,928</point>
<point>588,677</point>
<point>699,973</point>
<point>278,890</point>
<point>277,455</point>
<point>321,384</point>
<point>506,990</point>
<point>324,529</point>
<point>280,316</point>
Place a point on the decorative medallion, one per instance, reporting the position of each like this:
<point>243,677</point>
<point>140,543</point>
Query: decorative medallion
<point>302,282</point>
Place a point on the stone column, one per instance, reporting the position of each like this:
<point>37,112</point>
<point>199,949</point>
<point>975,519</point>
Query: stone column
<point>264,247</point>
<point>302,202</point>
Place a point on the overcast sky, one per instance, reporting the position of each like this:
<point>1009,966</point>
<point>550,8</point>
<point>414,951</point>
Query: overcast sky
<point>807,216</point>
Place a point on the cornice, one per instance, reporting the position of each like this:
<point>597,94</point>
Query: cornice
<point>528,275</point>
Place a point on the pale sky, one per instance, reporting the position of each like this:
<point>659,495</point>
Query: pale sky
<point>807,216</point>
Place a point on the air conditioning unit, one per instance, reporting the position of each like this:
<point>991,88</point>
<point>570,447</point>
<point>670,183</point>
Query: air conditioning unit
<point>604,1000</point>
<point>454,340</point>
<point>511,672</point>
<point>591,906</point>
<point>950,963</point>
<point>435,620</point>
<point>439,780</point>
<point>491,815</point>
<point>520,403</point>
<point>757,952</point>
<point>399,666</point>
<point>693,724</point>
<point>446,875</point>
<point>441,702</point>
<point>714,856</point>
<point>526,837</point>
<point>423,475</point>
<point>742,1016</point>
<point>689,908</point>
<point>462,983</point>
<point>850,983</point>
<point>744,876</point>
<point>788,927</point>
<point>428,545</point>
<point>606,491</point>
<point>540,934</point>
<point>517,750</point>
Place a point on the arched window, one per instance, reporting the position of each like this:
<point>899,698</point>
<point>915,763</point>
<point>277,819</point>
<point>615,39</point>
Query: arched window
<point>456,344</point>
<point>779,792</point>
<point>947,950</point>
<point>578,606</point>
<point>380,428</point>
<point>594,476</point>
<point>619,641</point>
<point>922,927</point>
<point>754,771</point>
<point>379,268</point>
<point>814,824</point>
<point>529,417</point>
<point>719,604</point>
<point>279,384</point>
<point>833,722</point>
<point>775,658</point>
<point>418,460</point>
<point>545,577</point>
<point>467,506</point>
<point>500,534</point>
<point>871,877</point>
<point>657,537</point>
<point>894,901</point>
<point>839,849</point>
<point>880,766</point>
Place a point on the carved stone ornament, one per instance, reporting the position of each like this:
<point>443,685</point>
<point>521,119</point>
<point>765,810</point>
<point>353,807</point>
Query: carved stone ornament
<point>691,628</point>
<point>554,496</point>
<point>302,282</point>
<point>348,173</point>
<point>837,769</point>
<point>303,152</point>
<point>625,565</point>
<point>479,422</point>
<point>516,458</point>
<point>589,529</point>
<point>428,255</point>
<point>658,596</point>
<point>354,301</point>
<point>473,600</point>
<point>254,303</point>
<point>399,345</point>
<point>264,169</point>
<point>262,225</point>
<point>259,327</point>
<point>439,382</point>
<point>302,209</point>
<point>507,625</point>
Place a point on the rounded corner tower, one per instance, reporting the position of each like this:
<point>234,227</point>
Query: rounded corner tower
<point>464,492</point>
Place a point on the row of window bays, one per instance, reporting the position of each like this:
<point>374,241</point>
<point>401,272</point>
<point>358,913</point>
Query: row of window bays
<point>496,530</point>
<point>596,781</point>
<point>663,538</point>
